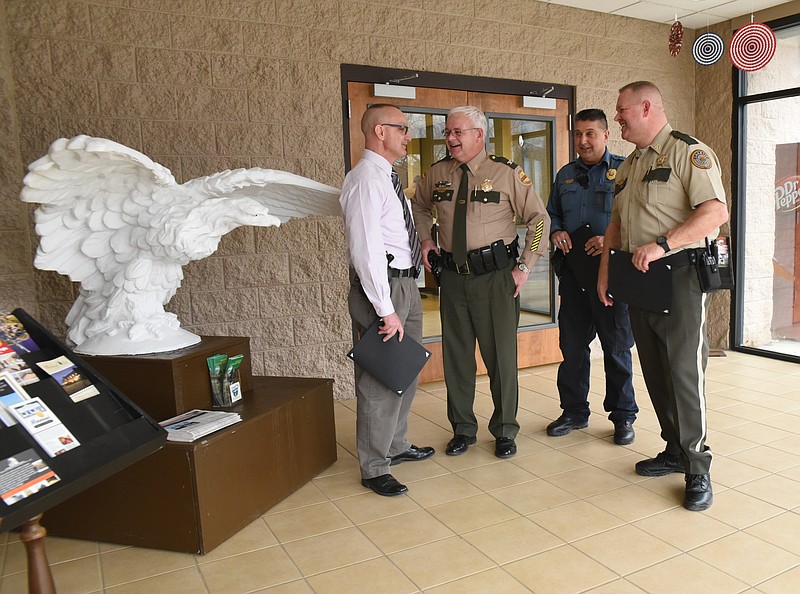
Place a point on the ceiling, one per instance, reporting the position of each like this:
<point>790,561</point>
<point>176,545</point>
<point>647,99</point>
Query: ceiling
<point>694,14</point>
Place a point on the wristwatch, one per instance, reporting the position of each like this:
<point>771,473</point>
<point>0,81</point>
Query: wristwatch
<point>524,268</point>
<point>662,241</point>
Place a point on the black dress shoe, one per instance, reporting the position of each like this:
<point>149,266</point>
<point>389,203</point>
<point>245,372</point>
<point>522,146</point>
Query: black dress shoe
<point>385,485</point>
<point>412,454</point>
<point>661,465</point>
<point>698,496</point>
<point>504,447</point>
<point>459,444</point>
<point>564,424</point>
<point>623,432</point>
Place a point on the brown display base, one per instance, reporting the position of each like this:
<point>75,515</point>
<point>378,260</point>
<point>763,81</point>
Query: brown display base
<point>167,384</point>
<point>192,497</point>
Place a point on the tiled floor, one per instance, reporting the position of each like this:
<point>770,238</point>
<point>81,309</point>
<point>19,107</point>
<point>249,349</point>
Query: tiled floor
<point>565,515</point>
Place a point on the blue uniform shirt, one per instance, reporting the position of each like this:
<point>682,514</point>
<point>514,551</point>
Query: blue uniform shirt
<point>572,205</point>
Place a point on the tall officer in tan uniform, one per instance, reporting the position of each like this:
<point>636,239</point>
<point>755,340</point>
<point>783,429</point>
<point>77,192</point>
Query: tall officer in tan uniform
<point>668,200</point>
<point>475,197</point>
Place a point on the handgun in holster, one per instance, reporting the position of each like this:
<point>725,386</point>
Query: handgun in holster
<point>437,263</point>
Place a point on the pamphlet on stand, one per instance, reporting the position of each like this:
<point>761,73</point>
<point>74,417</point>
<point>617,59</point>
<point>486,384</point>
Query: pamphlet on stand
<point>44,426</point>
<point>23,475</point>
<point>66,373</point>
<point>197,423</point>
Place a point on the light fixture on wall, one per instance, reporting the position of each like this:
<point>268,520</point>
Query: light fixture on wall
<point>539,100</point>
<point>390,89</point>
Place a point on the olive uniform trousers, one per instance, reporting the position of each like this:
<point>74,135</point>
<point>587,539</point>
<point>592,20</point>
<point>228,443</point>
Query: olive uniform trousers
<point>480,307</point>
<point>673,351</point>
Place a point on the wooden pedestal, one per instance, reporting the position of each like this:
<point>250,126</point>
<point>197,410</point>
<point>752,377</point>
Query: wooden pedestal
<point>192,497</point>
<point>168,384</point>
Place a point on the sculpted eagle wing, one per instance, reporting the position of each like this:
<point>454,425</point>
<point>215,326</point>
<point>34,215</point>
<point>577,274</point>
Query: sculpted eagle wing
<point>285,194</point>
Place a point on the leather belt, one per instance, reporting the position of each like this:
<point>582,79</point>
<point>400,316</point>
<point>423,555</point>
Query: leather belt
<point>404,273</point>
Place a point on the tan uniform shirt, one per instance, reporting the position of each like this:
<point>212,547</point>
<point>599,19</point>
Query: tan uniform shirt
<point>658,187</point>
<point>498,189</point>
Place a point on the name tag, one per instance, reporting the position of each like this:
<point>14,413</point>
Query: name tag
<point>486,197</point>
<point>660,174</point>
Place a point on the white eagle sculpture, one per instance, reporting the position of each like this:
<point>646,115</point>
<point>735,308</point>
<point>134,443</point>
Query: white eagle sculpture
<point>118,223</point>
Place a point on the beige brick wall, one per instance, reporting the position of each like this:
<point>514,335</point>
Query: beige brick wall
<point>16,272</point>
<point>206,85</point>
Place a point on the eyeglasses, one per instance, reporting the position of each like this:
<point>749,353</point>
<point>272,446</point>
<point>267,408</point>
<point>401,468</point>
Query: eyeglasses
<point>458,131</point>
<point>401,127</point>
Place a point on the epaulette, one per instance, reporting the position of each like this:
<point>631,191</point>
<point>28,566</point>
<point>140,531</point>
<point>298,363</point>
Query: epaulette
<point>446,158</point>
<point>503,160</point>
<point>684,137</point>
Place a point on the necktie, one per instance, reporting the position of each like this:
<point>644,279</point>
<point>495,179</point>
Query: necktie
<point>413,238</point>
<point>460,219</point>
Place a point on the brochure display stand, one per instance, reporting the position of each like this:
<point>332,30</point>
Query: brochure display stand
<point>64,428</point>
<point>191,497</point>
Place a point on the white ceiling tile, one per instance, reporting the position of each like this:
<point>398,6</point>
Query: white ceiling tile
<point>691,5</point>
<point>701,20</point>
<point>692,13</point>
<point>596,5</point>
<point>739,8</point>
<point>652,12</point>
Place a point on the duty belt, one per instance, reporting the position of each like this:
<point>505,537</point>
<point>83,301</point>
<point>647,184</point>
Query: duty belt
<point>683,258</point>
<point>483,260</point>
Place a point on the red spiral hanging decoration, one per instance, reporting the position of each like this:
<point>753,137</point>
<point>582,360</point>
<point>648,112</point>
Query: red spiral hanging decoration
<point>675,38</point>
<point>752,47</point>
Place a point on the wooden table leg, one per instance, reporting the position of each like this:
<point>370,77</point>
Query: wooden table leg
<point>40,580</point>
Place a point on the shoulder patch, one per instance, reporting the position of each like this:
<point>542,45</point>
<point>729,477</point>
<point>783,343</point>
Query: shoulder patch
<point>526,181</point>
<point>684,137</point>
<point>700,159</point>
<point>499,159</point>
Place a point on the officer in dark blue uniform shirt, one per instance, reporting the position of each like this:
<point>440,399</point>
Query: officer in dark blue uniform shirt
<point>583,194</point>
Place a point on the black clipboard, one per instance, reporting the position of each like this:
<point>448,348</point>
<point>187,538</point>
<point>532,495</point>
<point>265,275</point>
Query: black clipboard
<point>582,265</point>
<point>393,363</point>
<point>651,290</point>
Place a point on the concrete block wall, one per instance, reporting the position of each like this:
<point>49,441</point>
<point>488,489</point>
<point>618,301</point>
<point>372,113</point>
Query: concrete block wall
<point>205,85</point>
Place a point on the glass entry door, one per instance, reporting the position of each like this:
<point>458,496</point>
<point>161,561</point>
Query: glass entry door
<point>536,139</point>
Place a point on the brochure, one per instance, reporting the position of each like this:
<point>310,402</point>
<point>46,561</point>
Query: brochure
<point>11,362</point>
<point>10,393</point>
<point>14,334</point>
<point>44,426</point>
<point>197,423</point>
<point>69,378</point>
<point>24,474</point>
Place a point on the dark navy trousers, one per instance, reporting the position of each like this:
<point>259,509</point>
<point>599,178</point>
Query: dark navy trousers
<point>581,318</point>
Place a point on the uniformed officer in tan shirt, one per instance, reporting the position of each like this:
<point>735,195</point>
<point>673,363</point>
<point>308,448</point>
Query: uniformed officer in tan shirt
<point>668,201</point>
<point>483,271</point>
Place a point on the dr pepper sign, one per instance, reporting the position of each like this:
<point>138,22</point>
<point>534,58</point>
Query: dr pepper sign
<point>787,194</point>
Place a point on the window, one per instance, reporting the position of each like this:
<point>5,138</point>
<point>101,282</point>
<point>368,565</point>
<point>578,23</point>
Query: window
<point>767,312</point>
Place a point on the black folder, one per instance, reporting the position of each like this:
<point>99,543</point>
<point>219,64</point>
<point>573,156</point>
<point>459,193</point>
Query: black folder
<point>651,290</point>
<point>582,265</point>
<point>393,363</point>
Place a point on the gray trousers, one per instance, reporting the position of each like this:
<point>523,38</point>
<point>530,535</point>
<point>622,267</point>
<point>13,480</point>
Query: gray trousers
<point>673,351</point>
<point>382,415</point>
